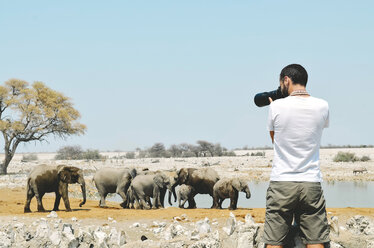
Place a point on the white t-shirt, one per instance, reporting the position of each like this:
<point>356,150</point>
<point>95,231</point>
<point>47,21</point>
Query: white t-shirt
<point>297,123</point>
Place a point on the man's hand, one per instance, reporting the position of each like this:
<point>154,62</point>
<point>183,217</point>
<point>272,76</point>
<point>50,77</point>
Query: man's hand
<point>272,136</point>
<point>270,100</point>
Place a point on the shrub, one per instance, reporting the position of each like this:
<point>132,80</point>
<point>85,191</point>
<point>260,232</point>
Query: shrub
<point>76,153</point>
<point>157,150</point>
<point>365,158</point>
<point>92,155</point>
<point>188,154</point>
<point>69,153</point>
<point>345,157</point>
<point>29,157</point>
<point>260,154</point>
<point>130,155</point>
<point>229,154</point>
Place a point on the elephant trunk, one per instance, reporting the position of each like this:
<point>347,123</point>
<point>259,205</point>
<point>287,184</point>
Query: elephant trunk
<point>172,191</point>
<point>83,187</point>
<point>248,193</point>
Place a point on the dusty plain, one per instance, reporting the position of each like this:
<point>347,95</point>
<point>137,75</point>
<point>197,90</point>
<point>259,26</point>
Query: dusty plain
<point>254,168</point>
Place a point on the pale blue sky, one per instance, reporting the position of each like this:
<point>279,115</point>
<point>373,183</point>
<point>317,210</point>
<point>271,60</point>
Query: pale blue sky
<point>142,72</point>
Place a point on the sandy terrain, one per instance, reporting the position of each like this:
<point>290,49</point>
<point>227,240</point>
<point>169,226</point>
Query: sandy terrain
<point>254,168</point>
<point>12,203</point>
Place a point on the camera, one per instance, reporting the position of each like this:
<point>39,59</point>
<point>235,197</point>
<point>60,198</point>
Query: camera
<point>262,99</point>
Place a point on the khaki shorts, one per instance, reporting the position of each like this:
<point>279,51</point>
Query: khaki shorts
<point>302,200</point>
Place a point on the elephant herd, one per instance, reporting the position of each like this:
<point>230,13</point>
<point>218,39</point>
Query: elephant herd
<point>138,189</point>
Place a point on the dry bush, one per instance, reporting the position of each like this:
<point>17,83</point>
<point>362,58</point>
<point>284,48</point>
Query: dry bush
<point>345,157</point>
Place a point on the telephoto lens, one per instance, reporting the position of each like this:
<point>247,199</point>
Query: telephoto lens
<point>262,99</point>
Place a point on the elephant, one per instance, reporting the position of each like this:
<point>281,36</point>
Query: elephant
<point>229,188</point>
<point>202,180</point>
<point>151,185</point>
<point>172,177</point>
<point>112,180</point>
<point>132,203</point>
<point>44,179</point>
<point>185,192</point>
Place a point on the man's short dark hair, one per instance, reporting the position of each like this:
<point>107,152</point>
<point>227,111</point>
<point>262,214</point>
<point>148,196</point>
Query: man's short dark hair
<point>296,72</point>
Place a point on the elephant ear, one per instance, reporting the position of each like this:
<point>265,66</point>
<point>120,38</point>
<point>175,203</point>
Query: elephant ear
<point>159,180</point>
<point>133,173</point>
<point>182,175</point>
<point>68,174</point>
<point>236,184</point>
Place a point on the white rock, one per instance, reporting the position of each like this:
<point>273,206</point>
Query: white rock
<point>249,220</point>
<point>68,232</point>
<point>335,245</point>
<point>85,236</point>
<point>203,227</point>
<point>334,225</point>
<point>195,236</point>
<point>53,214</point>
<point>19,225</point>
<point>55,238</point>
<point>360,225</point>
<point>42,230</point>
<point>116,238</point>
<point>110,219</point>
<point>74,219</point>
<point>184,217</point>
<point>136,224</point>
<point>230,225</point>
<point>158,224</point>
<point>4,240</point>
<point>15,219</point>
<point>100,237</point>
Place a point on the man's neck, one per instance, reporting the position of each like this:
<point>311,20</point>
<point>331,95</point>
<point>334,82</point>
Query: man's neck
<point>297,87</point>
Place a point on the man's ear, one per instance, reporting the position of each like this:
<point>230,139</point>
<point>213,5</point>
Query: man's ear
<point>286,81</point>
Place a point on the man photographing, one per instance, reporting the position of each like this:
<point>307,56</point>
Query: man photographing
<point>295,124</point>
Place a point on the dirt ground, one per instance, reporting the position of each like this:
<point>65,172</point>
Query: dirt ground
<point>12,202</point>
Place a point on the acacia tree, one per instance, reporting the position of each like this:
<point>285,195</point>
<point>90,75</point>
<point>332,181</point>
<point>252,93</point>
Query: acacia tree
<point>31,113</point>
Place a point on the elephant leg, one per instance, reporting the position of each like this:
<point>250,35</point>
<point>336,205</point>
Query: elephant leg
<point>38,197</point>
<point>63,190</point>
<point>215,201</point>
<point>162,197</point>
<point>233,200</point>
<point>102,199</point>
<point>148,199</point>
<point>191,202</point>
<point>30,195</point>
<point>140,196</point>
<point>143,203</point>
<point>57,201</point>
<point>41,202</point>
<point>156,197</point>
<point>183,202</point>
<point>136,200</point>
<point>220,203</point>
<point>212,201</point>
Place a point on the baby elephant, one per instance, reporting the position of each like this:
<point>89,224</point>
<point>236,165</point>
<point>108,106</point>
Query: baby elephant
<point>229,188</point>
<point>185,192</point>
